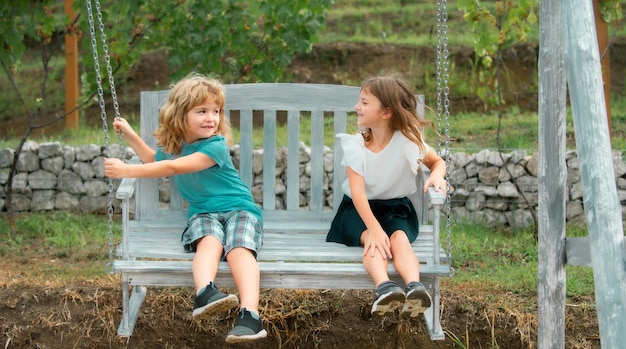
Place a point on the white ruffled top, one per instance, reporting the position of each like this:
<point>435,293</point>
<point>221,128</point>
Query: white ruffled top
<point>388,174</point>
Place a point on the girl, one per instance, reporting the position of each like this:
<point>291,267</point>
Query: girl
<point>223,220</point>
<point>381,164</point>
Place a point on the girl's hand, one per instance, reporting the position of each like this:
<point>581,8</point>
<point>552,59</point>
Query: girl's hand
<point>438,183</point>
<point>377,240</point>
<point>114,168</point>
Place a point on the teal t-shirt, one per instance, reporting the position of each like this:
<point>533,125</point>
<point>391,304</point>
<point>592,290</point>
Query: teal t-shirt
<point>215,189</point>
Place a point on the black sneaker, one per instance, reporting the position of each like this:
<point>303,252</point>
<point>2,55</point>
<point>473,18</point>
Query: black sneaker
<point>247,328</point>
<point>417,300</point>
<point>389,297</point>
<point>212,301</point>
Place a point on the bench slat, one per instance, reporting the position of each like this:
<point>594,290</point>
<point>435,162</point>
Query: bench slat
<point>273,275</point>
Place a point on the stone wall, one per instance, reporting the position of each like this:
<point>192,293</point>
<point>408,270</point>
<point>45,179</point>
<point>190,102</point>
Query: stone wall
<point>496,188</point>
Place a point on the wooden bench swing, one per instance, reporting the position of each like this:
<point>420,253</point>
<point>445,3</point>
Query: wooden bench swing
<point>294,252</point>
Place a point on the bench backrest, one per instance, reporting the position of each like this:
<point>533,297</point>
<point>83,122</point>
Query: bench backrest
<point>269,98</point>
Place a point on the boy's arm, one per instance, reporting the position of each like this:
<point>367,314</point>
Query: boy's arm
<point>115,168</point>
<point>145,153</point>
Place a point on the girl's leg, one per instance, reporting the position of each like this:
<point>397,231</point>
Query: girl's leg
<point>404,259</point>
<point>204,266</point>
<point>245,271</point>
<point>389,296</point>
<point>406,263</point>
<point>375,265</point>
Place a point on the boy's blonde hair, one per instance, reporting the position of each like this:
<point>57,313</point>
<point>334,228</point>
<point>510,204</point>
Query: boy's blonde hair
<point>189,92</point>
<point>396,95</point>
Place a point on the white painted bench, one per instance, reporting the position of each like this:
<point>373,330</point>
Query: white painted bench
<point>294,252</point>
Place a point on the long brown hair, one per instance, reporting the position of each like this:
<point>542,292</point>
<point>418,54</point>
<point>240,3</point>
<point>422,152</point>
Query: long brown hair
<point>189,92</point>
<point>396,95</point>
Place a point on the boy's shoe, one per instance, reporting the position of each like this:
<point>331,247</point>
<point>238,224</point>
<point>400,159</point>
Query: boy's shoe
<point>389,297</point>
<point>211,301</point>
<point>417,300</point>
<point>247,328</point>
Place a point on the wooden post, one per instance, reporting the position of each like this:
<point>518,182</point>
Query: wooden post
<point>552,179</point>
<point>600,199</point>
<point>71,70</point>
<point>602,30</point>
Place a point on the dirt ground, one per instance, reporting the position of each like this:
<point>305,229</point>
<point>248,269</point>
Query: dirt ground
<point>39,309</point>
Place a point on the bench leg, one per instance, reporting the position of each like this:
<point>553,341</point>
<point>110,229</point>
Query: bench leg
<point>432,315</point>
<point>130,307</point>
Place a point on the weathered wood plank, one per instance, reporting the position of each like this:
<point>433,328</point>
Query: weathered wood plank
<point>273,275</point>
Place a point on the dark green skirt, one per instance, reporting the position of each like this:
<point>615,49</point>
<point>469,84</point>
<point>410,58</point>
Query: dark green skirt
<point>393,214</point>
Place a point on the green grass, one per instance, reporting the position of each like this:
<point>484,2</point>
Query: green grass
<point>507,260</point>
<point>59,235</point>
<point>402,22</point>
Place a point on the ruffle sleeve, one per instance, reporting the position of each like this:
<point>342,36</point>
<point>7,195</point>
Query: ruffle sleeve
<point>413,154</point>
<point>353,148</point>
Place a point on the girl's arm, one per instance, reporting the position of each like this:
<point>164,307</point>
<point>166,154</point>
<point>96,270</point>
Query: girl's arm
<point>437,171</point>
<point>376,238</point>
<point>145,153</point>
<point>115,168</point>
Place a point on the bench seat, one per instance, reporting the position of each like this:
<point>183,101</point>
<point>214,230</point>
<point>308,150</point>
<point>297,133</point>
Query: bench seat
<point>294,252</point>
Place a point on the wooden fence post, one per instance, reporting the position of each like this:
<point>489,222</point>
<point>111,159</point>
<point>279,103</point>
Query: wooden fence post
<point>552,179</point>
<point>71,70</point>
<point>600,199</point>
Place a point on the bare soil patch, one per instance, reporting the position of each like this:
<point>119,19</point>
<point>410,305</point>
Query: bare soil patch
<point>39,309</point>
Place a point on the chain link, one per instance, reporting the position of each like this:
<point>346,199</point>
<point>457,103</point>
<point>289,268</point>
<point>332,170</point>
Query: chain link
<point>443,108</point>
<point>103,114</point>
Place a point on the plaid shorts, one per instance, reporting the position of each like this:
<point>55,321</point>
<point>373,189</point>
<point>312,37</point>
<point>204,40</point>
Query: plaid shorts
<point>232,229</point>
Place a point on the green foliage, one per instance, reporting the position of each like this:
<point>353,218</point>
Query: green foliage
<point>611,10</point>
<point>24,20</point>
<point>497,26</point>
<point>233,40</point>
<point>242,41</point>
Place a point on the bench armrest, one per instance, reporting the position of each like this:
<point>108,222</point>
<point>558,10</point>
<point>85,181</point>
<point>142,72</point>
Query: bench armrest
<point>434,197</point>
<point>127,186</point>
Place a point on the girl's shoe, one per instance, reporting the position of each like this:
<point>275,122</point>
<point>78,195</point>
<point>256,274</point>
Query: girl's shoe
<point>417,300</point>
<point>389,297</point>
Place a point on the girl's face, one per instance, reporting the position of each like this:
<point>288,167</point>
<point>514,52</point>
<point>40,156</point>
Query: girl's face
<point>202,121</point>
<point>370,111</point>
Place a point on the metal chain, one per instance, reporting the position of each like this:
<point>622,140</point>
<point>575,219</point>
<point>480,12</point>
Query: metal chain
<point>103,114</point>
<point>443,107</point>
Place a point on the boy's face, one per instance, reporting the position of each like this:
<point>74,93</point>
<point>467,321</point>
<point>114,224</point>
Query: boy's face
<point>203,121</point>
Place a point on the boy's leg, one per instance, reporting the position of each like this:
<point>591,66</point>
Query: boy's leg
<point>204,266</point>
<point>246,274</point>
<point>245,270</point>
<point>209,300</point>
